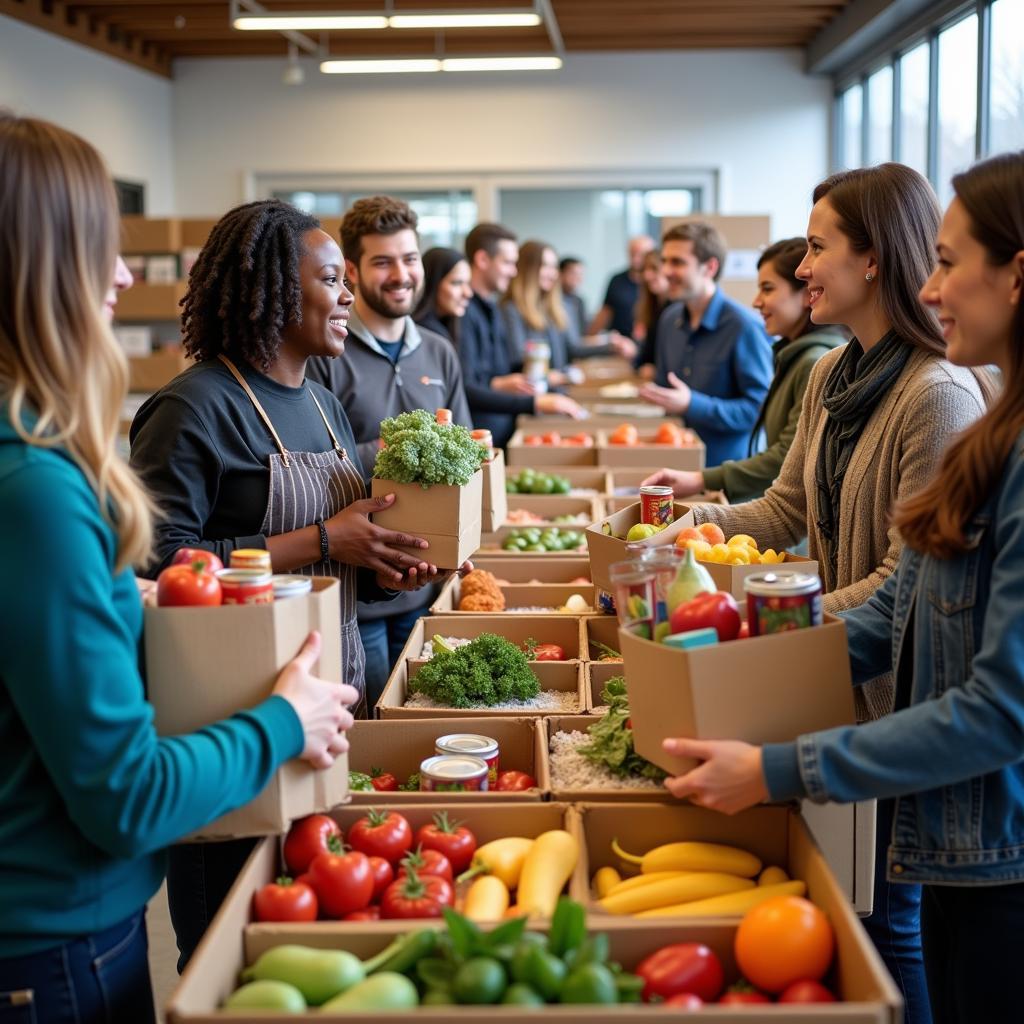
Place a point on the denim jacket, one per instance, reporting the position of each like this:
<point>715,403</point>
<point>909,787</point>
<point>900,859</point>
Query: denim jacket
<point>955,757</point>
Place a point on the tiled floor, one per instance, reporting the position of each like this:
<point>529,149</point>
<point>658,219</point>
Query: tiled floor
<point>163,953</point>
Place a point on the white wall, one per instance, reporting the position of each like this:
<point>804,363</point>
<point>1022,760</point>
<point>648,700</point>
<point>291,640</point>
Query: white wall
<point>122,110</point>
<point>752,115</point>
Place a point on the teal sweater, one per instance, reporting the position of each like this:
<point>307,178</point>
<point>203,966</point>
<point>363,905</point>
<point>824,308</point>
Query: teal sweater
<point>89,794</point>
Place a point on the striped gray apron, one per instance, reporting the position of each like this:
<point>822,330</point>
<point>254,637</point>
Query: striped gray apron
<point>305,487</point>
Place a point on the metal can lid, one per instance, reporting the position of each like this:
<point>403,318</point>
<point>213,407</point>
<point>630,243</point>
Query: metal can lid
<point>244,577</point>
<point>657,490</point>
<point>454,767</point>
<point>291,586</point>
<point>466,743</point>
<point>775,584</point>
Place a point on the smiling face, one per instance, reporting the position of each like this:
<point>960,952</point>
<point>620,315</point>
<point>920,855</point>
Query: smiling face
<point>547,272</point>
<point>326,302</point>
<point>390,273</point>
<point>975,301</point>
<point>653,276</point>
<point>688,279</point>
<point>454,291</point>
<point>782,306</point>
<point>835,274</point>
<point>496,272</point>
<point>122,280</point>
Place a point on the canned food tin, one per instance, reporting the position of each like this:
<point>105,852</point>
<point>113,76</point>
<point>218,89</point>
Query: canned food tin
<point>656,505</point>
<point>250,558</point>
<point>453,773</point>
<point>484,747</point>
<point>246,586</point>
<point>780,601</point>
<point>291,586</point>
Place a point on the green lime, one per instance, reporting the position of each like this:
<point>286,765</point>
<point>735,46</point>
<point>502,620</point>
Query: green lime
<point>522,995</point>
<point>479,981</point>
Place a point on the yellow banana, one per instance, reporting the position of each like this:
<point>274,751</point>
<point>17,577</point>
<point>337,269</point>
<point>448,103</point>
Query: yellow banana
<point>606,880</point>
<point>772,876</point>
<point>697,885</point>
<point>692,856</point>
<point>640,880</point>
<point>728,903</point>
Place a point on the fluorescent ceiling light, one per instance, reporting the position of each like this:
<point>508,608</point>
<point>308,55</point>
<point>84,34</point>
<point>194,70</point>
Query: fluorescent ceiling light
<point>501,64</point>
<point>309,21</point>
<point>378,67</point>
<point>467,19</point>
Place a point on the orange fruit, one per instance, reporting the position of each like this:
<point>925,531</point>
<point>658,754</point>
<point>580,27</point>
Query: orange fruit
<point>688,533</point>
<point>712,533</point>
<point>625,433</point>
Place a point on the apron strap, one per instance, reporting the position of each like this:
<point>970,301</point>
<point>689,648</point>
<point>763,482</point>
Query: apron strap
<point>259,408</point>
<point>334,440</point>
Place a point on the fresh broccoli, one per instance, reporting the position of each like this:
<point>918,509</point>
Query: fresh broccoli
<point>487,671</point>
<point>611,738</point>
<point>419,450</point>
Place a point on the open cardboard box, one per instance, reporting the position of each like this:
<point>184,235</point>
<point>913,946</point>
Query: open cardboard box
<point>590,480</point>
<point>643,417</point>
<point>145,301</point>
<point>596,676</point>
<point>731,577</point>
<point>542,455</point>
<point>551,505</point>
<point>517,595</point>
<point>763,689</point>
<point>401,745</point>
<point>447,517</point>
<point>606,548</point>
<point>206,664</point>
<point>602,629</point>
<point>491,543</point>
<point>494,504</point>
<point>533,569</point>
<point>647,453</point>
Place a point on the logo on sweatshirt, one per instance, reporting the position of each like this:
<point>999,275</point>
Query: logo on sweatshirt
<point>432,380</point>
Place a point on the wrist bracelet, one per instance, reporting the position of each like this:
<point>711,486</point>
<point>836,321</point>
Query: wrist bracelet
<point>325,547</point>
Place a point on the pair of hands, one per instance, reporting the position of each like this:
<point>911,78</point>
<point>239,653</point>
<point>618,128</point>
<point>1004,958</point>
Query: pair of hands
<point>682,482</point>
<point>674,399</point>
<point>551,404</point>
<point>729,779</point>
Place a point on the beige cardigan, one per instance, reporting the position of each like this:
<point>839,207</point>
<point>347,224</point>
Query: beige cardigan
<point>899,449</point>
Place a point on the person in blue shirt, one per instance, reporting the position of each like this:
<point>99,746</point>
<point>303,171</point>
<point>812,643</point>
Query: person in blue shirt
<point>713,360</point>
<point>949,622</point>
<point>90,796</point>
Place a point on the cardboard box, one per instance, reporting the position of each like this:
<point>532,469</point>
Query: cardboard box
<point>584,481</point>
<point>596,675</point>
<point>147,235</point>
<point>602,629</point>
<point>448,518</point>
<point>491,543</point>
<point>643,417</point>
<point>543,455</point>
<point>647,453</point>
<point>495,503</point>
<point>151,373</point>
<point>731,577</point>
<point>196,230</point>
<point>625,392</point>
<point>552,505</point>
<point>517,595</point>
<point>205,664</point>
<point>606,548</point>
<point>533,569</point>
<point>145,301</point>
<point>401,745</point>
<point>765,689</point>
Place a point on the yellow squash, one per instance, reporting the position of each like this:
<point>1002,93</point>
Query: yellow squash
<point>547,868</point>
<point>730,903</point>
<point>605,880</point>
<point>690,856</point>
<point>487,899</point>
<point>697,885</point>
<point>502,858</point>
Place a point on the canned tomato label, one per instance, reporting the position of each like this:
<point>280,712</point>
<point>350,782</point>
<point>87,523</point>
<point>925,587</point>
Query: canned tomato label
<point>250,558</point>
<point>656,505</point>
<point>246,586</point>
<point>453,773</point>
<point>290,586</point>
<point>470,743</point>
<point>780,601</point>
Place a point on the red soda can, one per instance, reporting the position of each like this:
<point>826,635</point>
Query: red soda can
<point>656,505</point>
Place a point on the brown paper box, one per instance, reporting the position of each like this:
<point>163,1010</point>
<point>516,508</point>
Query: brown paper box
<point>150,302</point>
<point>597,674</point>
<point>495,503</point>
<point>448,518</point>
<point>643,417</point>
<point>151,373</point>
<point>587,478</point>
<point>491,543</point>
<point>517,595</point>
<point>764,689</point>
<point>597,391</point>
<point>647,453</point>
<point>731,577</point>
<point>552,505</point>
<point>195,231</point>
<point>205,664</point>
<point>542,455</point>
<point>530,569</point>
<point>401,745</point>
<point>605,630</point>
<point>605,550</point>
<point>144,235</point>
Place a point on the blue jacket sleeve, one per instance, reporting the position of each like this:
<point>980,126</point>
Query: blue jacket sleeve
<point>752,373</point>
<point>68,658</point>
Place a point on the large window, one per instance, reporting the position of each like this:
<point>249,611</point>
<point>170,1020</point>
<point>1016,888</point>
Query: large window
<point>958,101</point>
<point>879,116</point>
<point>913,123</point>
<point>1006,95</point>
<point>851,113</point>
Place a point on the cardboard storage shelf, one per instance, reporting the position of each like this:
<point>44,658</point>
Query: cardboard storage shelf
<point>490,543</point>
<point>144,235</point>
<point>151,373</point>
<point>596,676</point>
<point>517,595</point>
<point>551,505</point>
<point>731,577</point>
<point>206,664</point>
<point>150,301</point>
<point>532,569</point>
<point>605,630</point>
<point>764,689</point>
<point>494,503</point>
<point>401,745</point>
<point>543,455</point>
<point>585,478</point>
<point>647,453</point>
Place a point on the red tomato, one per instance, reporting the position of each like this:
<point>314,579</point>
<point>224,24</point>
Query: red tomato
<point>383,875</point>
<point>285,900</point>
<point>669,433</point>
<point>514,782</point>
<point>307,837</point>
<point>369,914</point>
<point>343,881</point>
<point>624,433</point>
<point>684,1001</point>
<point>552,437</point>
<point>426,863</point>
<point>189,556</point>
<point>711,610</point>
<point>451,838</point>
<point>584,439</point>
<point>187,585</point>
<point>413,897</point>
<point>807,991</point>
<point>382,834</point>
<point>683,967</point>
<point>383,782</point>
<point>742,995</point>
<point>548,652</point>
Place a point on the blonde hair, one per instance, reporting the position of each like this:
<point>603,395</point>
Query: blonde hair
<point>524,292</point>
<point>62,373</point>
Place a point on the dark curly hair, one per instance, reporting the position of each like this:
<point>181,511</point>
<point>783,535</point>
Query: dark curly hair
<point>374,215</point>
<point>244,288</point>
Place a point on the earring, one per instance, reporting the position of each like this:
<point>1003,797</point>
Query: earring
<point>869,277</point>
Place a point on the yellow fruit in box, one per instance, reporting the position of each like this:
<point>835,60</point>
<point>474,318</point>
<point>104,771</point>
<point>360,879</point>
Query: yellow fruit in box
<point>773,557</point>
<point>738,555</point>
<point>719,553</point>
<point>700,548</point>
<point>742,538</point>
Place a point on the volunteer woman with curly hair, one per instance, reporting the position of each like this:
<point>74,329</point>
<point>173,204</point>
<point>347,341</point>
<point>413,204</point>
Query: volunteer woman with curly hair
<point>950,623</point>
<point>89,794</point>
<point>877,415</point>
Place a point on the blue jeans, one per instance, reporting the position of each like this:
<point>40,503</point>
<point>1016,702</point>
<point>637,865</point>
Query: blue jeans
<point>383,640</point>
<point>895,926</point>
<point>101,978</point>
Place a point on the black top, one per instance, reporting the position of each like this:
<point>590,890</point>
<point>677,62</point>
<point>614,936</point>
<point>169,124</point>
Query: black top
<point>203,451</point>
<point>621,298</point>
<point>483,352</point>
<point>432,322</point>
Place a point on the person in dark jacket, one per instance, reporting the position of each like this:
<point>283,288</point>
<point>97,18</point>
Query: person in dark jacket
<point>616,312</point>
<point>570,277</point>
<point>446,292</point>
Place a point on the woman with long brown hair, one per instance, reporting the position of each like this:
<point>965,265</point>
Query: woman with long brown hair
<point>89,795</point>
<point>950,622</point>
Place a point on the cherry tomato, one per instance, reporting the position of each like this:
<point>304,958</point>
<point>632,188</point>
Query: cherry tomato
<point>285,900</point>
<point>514,782</point>
<point>382,834</point>
<point>414,897</point>
<point>189,556</point>
<point>426,862</point>
<point>684,1001</point>
<point>190,584</point>
<point>343,881</point>
<point>307,837</point>
<point>807,991</point>
<point>683,967</point>
<point>625,434</point>
<point>548,652</point>
<point>371,913</point>
<point>383,782</point>
<point>533,440</point>
<point>742,995</point>
<point>383,875</point>
<point>783,940</point>
<point>552,437</point>
<point>451,838</point>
